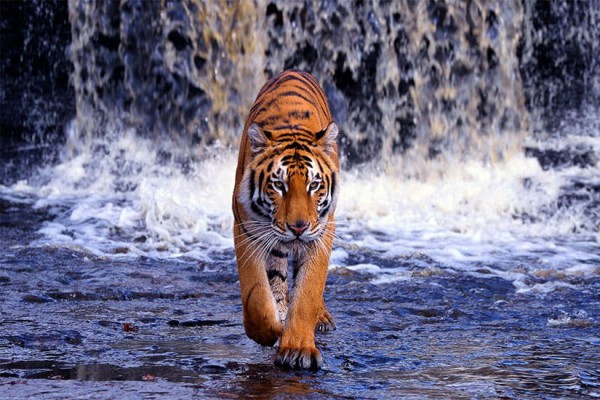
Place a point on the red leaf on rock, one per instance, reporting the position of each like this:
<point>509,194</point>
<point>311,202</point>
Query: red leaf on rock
<point>130,327</point>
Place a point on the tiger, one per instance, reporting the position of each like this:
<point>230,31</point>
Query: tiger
<point>284,198</point>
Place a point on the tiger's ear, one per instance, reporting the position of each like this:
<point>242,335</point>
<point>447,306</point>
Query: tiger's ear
<point>259,139</point>
<point>327,138</point>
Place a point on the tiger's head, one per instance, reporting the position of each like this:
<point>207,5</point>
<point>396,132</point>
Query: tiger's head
<point>290,187</point>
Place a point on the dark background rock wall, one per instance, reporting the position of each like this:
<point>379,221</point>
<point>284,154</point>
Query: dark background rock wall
<point>36,98</point>
<point>560,56</point>
<point>191,70</point>
<point>35,95</point>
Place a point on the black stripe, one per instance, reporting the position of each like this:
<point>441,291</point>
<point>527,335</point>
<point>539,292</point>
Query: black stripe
<point>308,90</point>
<point>310,86</point>
<point>296,128</point>
<point>297,146</point>
<point>255,106</point>
<point>260,111</point>
<point>257,210</point>
<point>320,134</point>
<point>332,191</point>
<point>299,114</point>
<point>276,82</point>
<point>251,236</point>
<point>327,164</point>
<point>320,165</point>
<point>278,253</point>
<point>294,136</point>
<point>272,273</point>
<point>252,184</point>
<point>271,120</point>
<point>324,211</point>
<point>302,80</point>
<point>262,158</point>
<point>294,77</point>
<point>289,93</point>
<point>312,82</point>
<point>261,178</point>
<point>271,83</point>
<point>296,268</point>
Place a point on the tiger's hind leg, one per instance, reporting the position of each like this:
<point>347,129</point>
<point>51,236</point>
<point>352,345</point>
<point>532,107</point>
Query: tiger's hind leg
<point>277,274</point>
<point>325,321</point>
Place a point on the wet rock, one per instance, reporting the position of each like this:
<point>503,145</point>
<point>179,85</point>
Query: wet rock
<point>110,324</point>
<point>551,158</point>
<point>560,71</point>
<point>32,298</point>
<point>212,369</point>
<point>73,337</point>
<point>73,296</point>
<point>34,79</point>
<point>196,323</point>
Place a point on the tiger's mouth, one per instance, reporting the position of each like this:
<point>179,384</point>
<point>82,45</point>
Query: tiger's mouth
<point>297,239</point>
<point>289,238</point>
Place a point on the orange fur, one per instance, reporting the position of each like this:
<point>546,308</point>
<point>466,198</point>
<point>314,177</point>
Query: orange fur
<point>283,203</point>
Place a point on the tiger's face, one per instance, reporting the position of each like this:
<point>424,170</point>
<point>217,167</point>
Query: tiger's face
<point>290,188</point>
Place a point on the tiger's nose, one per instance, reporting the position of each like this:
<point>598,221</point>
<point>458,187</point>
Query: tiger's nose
<point>298,228</point>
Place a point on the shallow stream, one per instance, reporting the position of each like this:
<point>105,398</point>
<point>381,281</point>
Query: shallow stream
<point>467,257</point>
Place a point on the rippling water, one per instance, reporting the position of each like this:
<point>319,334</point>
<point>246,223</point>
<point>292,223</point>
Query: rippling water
<point>467,257</point>
<point>477,284</point>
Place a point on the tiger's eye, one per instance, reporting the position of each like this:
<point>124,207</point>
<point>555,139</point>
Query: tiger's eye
<point>278,185</point>
<point>314,185</point>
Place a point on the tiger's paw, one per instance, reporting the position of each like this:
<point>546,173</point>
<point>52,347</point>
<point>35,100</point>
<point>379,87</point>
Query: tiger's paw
<point>266,334</point>
<point>299,358</point>
<point>325,322</point>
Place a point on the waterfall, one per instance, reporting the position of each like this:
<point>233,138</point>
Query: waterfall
<point>427,79</point>
<point>476,118</point>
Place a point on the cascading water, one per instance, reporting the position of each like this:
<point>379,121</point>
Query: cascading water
<point>398,76</point>
<point>429,95</point>
<point>470,134</point>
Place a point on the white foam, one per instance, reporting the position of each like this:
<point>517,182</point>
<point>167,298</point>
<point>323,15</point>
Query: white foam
<point>123,202</point>
<point>578,318</point>
<point>338,257</point>
<point>370,268</point>
<point>542,288</point>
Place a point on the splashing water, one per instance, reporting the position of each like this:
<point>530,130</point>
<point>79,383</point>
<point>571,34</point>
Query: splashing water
<point>460,189</point>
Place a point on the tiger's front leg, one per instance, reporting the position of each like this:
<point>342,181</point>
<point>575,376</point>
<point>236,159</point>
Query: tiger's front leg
<point>297,346</point>
<point>261,321</point>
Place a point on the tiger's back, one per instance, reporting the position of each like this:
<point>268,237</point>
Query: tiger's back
<point>293,100</point>
<point>283,204</point>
